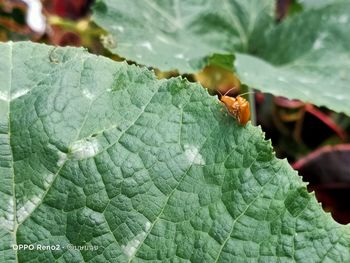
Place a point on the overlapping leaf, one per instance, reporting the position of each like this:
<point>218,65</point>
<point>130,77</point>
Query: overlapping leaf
<point>184,34</point>
<point>306,57</point>
<point>101,155</point>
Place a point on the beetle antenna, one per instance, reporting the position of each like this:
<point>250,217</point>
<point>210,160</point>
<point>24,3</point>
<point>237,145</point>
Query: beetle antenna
<point>245,93</point>
<point>228,91</point>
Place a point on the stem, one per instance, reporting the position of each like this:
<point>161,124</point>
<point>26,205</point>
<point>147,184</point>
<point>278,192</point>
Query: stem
<point>83,26</point>
<point>251,99</point>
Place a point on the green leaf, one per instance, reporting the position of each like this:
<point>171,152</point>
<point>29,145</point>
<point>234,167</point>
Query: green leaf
<point>183,34</point>
<point>307,57</point>
<point>311,4</point>
<point>100,154</point>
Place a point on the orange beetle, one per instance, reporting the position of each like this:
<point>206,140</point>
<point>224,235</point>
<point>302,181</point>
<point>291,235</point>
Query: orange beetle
<point>238,107</point>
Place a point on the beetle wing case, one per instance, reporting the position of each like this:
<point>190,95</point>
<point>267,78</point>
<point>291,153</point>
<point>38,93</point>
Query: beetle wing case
<point>238,107</point>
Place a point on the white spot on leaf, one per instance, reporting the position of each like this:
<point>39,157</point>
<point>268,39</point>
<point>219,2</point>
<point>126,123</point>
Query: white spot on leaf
<point>19,93</point>
<point>130,248</point>
<point>179,56</point>
<point>4,96</point>
<point>119,28</point>
<point>88,94</point>
<point>339,97</point>
<point>62,158</point>
<point>24,211</point>
<point>163,39</point>
<point>306,80</point>
<point>282,79</point>
<point>48,180</point>
<point>306,92</point>
<point>147,45</point>
<point>193,155</point>
<point>83,149</point>
<point>318,44</point>
<point>343,19</point>
<point>147,226</point>
<point>334,96</point>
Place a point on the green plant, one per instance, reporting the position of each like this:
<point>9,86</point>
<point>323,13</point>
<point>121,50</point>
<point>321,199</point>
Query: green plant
<point>102,162</point>
<point>304,55</point>
<point>98,153</point>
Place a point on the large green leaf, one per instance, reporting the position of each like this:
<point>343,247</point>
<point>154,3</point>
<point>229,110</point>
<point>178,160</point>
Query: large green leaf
<point>182,34</point>
<point>95,152</point>
<point>306,58</point>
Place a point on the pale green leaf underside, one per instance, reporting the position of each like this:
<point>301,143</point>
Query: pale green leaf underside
<point>306,57</point>
<point>181,34</point>
<point>95,152</point>
<point>309,59</point>
<point>312,4</point>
